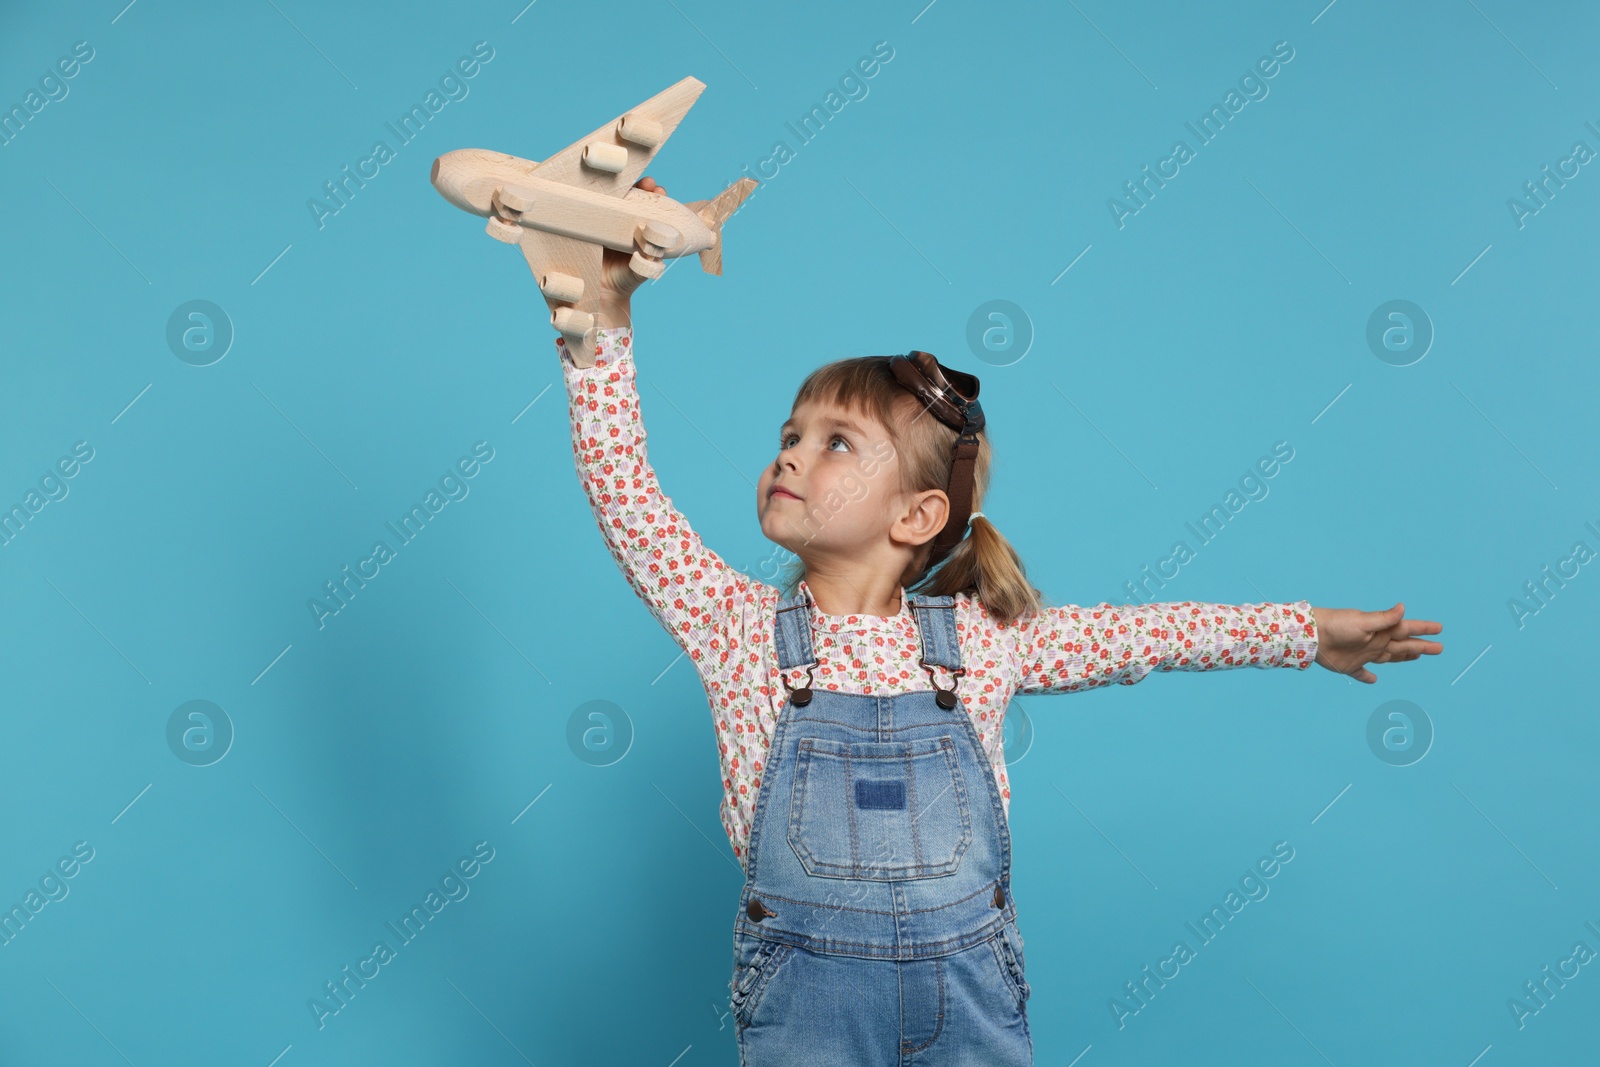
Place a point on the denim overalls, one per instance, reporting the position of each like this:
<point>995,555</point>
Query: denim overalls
<point>876,924</point>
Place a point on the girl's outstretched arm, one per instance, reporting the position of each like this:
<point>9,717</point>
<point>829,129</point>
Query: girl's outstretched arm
<point>1065,649</point>
<point>678,577</point>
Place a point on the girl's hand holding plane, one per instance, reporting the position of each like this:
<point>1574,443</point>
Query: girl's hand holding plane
<point>1347,639</point>
<point>617,279</point>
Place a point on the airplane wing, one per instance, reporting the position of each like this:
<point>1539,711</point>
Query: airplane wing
<point>652,121</point>
<point>551,253</point>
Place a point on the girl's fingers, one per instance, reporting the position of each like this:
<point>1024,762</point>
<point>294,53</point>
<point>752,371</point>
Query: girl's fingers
<point>1413,649</point>
<point>621,276</point>
<point>1358,670</point>
<point>1381,620</point>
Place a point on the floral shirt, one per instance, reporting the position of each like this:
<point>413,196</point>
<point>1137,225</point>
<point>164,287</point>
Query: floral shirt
<point>725,620</point>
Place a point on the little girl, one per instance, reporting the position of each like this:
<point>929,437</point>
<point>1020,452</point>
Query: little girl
<point>860,722</point>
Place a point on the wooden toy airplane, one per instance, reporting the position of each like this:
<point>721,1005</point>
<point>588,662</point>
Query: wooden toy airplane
<point>565,211</point>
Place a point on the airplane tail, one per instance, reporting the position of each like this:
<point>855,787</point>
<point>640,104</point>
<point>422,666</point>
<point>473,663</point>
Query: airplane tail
<point>715,212</point>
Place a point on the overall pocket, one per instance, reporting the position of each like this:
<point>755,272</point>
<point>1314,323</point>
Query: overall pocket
<point>879,810</point>
<point>750,978</point>
<point>1008,955</point>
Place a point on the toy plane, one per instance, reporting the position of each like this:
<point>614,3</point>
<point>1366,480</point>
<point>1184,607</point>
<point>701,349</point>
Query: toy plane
<point>565,211</point>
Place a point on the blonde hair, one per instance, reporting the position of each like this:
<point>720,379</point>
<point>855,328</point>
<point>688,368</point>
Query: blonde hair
<point>982,563</point>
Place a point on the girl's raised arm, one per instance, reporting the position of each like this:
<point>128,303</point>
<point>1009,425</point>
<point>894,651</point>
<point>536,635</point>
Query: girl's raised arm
<point>1065,649</point>
<point>686,586</point>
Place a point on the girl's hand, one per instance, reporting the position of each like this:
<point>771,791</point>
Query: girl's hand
<point>1348,640</point>
<point>617,279</point>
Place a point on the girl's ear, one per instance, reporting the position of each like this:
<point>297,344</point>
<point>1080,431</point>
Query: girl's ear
<point>924,515</point>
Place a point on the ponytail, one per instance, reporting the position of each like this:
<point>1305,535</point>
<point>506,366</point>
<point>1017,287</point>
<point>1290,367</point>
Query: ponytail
<point>984,564</point>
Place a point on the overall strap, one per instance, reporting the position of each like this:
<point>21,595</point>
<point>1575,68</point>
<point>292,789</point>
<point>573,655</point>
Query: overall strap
<point>793,633</point>
<point>936,623</point>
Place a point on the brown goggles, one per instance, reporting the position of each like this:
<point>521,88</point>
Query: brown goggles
<point>951,396</point>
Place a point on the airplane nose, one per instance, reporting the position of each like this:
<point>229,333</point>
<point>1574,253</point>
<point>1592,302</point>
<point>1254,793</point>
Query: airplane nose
<point>451,175</point>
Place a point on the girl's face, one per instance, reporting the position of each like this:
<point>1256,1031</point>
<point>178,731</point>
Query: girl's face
<point>834,485</point>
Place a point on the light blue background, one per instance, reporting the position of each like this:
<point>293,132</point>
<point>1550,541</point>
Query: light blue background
<point>1227,315</point>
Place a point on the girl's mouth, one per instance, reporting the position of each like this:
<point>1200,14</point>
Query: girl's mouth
<point>778,491</point>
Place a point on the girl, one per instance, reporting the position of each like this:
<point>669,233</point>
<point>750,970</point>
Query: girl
<point>859,722</point>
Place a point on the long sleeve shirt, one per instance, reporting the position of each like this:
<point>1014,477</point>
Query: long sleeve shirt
<point>725,620</point>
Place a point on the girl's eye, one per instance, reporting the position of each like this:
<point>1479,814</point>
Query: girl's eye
<point>783,442</point>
